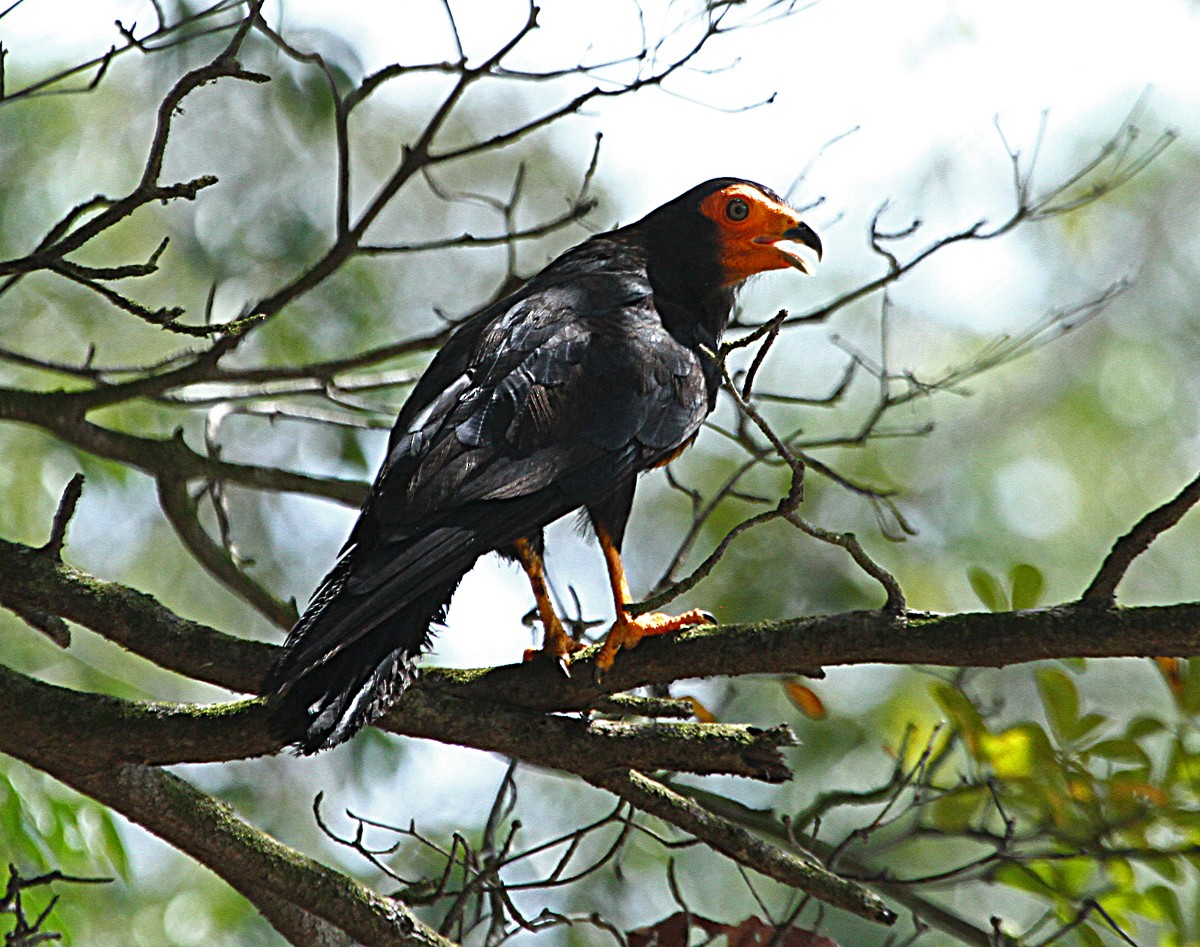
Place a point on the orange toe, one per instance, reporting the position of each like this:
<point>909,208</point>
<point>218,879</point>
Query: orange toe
<point>628,632</point>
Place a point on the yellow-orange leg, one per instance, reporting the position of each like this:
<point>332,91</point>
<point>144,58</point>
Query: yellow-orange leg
<point>628,631</point>
<point>555,642</point>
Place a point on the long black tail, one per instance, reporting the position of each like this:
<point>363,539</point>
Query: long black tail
<point>354,650</point>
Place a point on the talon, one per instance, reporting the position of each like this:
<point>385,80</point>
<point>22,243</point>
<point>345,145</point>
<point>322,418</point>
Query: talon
<point>562,666</point>
<point>709,617</point>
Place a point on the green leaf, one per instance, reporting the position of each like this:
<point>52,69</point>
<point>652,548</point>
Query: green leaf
<point>1120,873</point>
<point>1162,904</point>
<point>1189,700</point>
<point>1165,867</point>
<point>1029,878</point>
<point>1060,698</point>
<point>1120,750</point>
<point>961,712</point>
<point>1087,936</point>
<point>351,450</point>
<point>114,847</point>
<point>1028,584</point>
<point>988,589</point>
<point>958,809</point>
<point>1019,752</point>
<point>1141,727</point>
<point>1088,723</point>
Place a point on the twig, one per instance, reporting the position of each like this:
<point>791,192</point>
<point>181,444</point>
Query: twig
<point>180,510</point>
<point>895,603</point>
<point>1102,589</point>
<point>62,517</point>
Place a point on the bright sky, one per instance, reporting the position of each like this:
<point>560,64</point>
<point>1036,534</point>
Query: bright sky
<point>919,79</point>
<point>912,75</point>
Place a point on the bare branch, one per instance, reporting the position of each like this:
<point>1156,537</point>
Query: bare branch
<point>1102,589</point>
<point>743,847</point>
<point>62,517</point>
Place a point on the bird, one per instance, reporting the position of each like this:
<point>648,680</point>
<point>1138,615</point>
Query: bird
<point>552,400</point>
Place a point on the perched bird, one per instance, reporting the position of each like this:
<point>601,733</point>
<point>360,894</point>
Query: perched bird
<point>551,400</point>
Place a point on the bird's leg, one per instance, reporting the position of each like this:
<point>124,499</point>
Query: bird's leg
<point>555,642</point>
<point>627,630</point>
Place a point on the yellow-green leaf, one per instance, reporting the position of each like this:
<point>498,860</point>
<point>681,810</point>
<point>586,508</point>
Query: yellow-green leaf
<point>1028,584</point>
<point>988,589</point>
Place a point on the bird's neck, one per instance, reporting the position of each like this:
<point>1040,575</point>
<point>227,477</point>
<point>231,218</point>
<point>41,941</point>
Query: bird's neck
<point>691,301</point>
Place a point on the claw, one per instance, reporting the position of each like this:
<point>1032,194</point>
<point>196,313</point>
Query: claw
<point>558,650</point>
<point>708,616</point>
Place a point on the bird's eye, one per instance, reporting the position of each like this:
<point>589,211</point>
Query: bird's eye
<point>737,209</point>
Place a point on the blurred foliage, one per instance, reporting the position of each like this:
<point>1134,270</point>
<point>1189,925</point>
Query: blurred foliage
<point>1071,791</point>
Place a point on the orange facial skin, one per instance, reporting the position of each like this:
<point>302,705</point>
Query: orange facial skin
<point>757,232</point>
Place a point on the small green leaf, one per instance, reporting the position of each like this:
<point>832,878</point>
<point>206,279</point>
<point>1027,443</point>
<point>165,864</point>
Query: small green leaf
<point>961,712</point>
<point>1088,723</point>
<point>988,589</point>
<point>1141,727</point>
<point>957,810</point>
<point>1120,750</point>
<point>1060,698</point>
<point>1162,904</point>
<point>351,450</point>
<point>114,847</point>
<point>1189,700</point>
<point>1028,584</point>
<point>1087,936</point>
<point>1018,752</point>
<point>1120,873</point>
<point>1030,878</point>
<point>1165,867</point>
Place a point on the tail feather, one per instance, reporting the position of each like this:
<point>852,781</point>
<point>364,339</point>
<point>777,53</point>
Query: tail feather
<point>354,650</point>
<point>321,694</point>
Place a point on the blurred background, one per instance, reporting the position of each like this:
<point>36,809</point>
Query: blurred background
<point>846,106</point>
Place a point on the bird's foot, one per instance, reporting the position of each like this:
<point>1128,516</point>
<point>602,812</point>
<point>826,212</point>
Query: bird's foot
<point>627,632</point>
<point>558,646</point>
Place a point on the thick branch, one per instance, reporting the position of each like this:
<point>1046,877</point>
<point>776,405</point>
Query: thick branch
<point>268,873</point>
<point>95,726</point>
<point>973,639</point>
<point>869,637</point>
<point>132,619</point>
<point>732,840</point>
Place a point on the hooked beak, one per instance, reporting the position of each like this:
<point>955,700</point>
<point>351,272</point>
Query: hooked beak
<point>798,244</point>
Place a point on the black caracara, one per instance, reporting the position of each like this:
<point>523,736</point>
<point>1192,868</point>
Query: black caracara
<point>549,401</point>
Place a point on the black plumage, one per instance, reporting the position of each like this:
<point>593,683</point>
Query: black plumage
<point>551,400</point>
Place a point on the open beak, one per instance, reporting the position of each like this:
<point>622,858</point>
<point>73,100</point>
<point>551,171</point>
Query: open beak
<point>799,245</point>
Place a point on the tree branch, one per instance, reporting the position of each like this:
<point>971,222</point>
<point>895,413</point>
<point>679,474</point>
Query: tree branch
<point>270,875</point>
<point>746,849</point>
<point>974,639</point>
<point>1103,588</point>
<point>107,728</point>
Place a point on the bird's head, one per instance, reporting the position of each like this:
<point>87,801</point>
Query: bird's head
<point>757,231</point>
<point>720,232</point>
